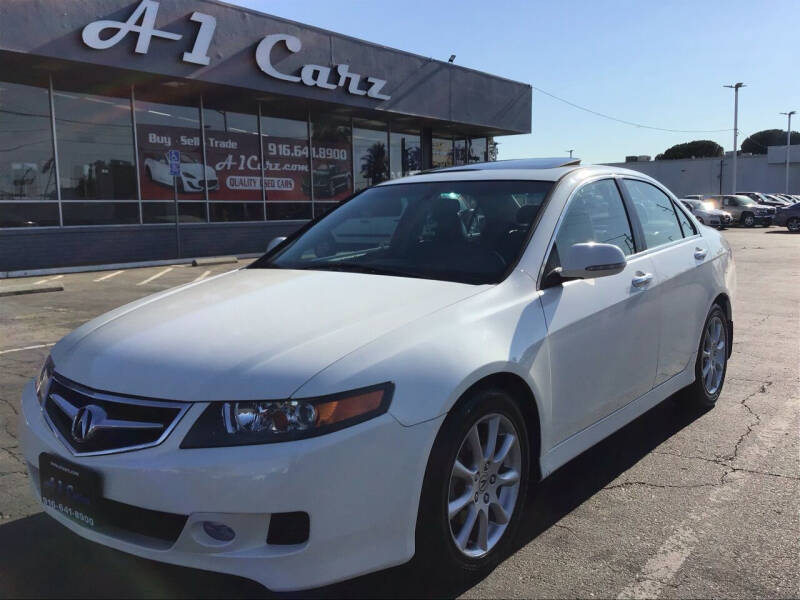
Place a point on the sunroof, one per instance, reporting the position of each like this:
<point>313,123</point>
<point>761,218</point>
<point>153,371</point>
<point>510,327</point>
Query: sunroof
<point>518,163</point>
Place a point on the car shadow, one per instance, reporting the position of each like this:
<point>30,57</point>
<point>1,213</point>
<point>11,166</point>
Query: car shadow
<point>782,231</point>
<point>40,558</point>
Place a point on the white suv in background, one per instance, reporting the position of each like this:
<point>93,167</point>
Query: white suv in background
<point>340,407</point>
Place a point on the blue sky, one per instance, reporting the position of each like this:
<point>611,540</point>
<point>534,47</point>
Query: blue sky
<point>656,63</point>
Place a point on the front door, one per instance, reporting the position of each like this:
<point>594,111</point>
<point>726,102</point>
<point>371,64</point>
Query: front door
<point>678,254</point>
<point>602,333</point>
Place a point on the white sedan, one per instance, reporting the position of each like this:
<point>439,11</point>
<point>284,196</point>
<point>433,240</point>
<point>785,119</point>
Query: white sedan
<point>336,409</point>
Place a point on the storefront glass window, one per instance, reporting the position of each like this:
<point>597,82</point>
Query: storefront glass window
<point>442,153</point>
<point>406,154</point>
<point>95,147</point>
<point>370,153</point>
<point>332,165</point>
<point>476,150</point>
<point>27,171</point>
<point>233,167</point>
<point>460,152</point>
<point>287,180</point>
<point>161,127</point>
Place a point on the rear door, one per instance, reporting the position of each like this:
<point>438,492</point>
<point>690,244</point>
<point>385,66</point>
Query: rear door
<point>602,334</point>
<point>678,253</point>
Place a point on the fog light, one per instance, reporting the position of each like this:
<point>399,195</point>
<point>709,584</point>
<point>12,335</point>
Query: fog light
<point>218,531</point>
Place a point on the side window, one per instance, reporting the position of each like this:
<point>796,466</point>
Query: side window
<point>595,214</point>
<point>686,225</point>
<point>656,213</point>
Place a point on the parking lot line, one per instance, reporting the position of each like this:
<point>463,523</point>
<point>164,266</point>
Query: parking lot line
<point>27,348</point>
<point>156,276</point>
<point>203,276</point>
<point>41,281</point>
<point>109,276</point>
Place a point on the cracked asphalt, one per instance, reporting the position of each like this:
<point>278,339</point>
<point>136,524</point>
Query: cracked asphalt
<point>678,504</point>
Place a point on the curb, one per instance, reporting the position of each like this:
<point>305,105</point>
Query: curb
<point>107,267</point>
<point>214,260</point>
<point>19,290</point>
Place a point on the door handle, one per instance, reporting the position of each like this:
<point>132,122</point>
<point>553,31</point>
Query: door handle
<point>642,279</point>
<point>700,253</point>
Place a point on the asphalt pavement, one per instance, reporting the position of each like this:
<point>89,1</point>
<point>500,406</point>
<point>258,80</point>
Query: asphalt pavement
<point>678,504</point>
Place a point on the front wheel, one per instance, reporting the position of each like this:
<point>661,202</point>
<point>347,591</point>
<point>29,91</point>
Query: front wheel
<point>712,361</point>
<point>475,485</point>
<point>793,225</point>
<point>701,220</point>
<point>748,220</point>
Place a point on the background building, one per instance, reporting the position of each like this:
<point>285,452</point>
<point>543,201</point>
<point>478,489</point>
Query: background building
<point>754,172</point>
<point>276,122</point>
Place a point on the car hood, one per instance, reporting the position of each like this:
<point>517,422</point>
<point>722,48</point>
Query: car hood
<point>246,335</point>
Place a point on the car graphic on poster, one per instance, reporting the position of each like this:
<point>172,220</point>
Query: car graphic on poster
<point>329,180</point>
<point>156,167</point>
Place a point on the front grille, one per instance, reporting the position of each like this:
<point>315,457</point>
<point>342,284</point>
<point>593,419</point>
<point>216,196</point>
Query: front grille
<point>91,422</point>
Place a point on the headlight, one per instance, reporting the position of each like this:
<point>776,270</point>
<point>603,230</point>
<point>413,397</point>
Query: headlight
<point>43,380</point>
<point>265,422</point>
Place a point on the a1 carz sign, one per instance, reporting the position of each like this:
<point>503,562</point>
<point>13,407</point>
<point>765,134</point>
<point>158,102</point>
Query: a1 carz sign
<point>103,34</point>
<point>233,170</point>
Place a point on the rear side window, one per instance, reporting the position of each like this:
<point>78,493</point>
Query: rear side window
<point>595,214</point>
<point>686,225</point>
<point>656,213</point>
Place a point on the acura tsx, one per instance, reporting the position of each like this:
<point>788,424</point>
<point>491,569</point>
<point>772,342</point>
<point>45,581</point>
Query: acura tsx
<point>389,382</point>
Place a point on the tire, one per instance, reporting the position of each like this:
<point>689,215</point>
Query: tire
<point>748,220</point>
<point>701,220</point>
<point>704,391</point>
<point>793,224</point>
<point>436,545</point>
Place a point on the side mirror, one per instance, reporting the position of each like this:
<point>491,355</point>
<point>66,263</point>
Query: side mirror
<point>590,260</point>
<point>274,243</point>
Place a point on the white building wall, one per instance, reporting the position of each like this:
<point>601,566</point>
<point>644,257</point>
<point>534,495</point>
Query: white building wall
<point>755,173</point>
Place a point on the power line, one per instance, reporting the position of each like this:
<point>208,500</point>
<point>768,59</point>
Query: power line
<point>640,125</point>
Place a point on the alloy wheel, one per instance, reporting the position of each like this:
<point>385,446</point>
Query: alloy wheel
<point>484,485</point>
<point>793,225</point>
<point>713,355</point>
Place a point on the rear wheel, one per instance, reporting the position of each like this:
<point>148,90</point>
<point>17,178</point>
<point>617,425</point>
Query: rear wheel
<point>793,224</point>
<point>712,361</point>
<point>475,485</point>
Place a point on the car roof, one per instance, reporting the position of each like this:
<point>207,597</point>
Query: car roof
<point>532,169</point>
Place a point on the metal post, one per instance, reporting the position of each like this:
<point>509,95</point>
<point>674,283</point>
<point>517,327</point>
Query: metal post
<point>735,134</point>
<point>177,215</point>
<point>309,131</point>
<point>205,159</point>
<point>261,158</point>
<point>55,151</point>
<point>788,143</point>
<point>735,87</point>
<point>136,154</point>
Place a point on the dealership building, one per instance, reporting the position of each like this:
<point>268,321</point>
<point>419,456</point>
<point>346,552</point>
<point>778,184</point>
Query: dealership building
<point>113,113</point>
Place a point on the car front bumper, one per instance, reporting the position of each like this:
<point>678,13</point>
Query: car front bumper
<point>360,487</point>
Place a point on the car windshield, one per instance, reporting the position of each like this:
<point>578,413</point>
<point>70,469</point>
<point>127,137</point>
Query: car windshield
<point>463,231</point>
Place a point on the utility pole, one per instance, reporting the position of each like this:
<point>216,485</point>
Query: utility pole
<point>570,152</point>
<point>735,87</point>
<point>788,141</point>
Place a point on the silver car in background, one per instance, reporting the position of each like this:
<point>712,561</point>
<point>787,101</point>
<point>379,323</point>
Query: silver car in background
<point>707,214</point>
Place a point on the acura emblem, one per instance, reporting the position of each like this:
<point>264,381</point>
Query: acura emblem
<point>85,422</point>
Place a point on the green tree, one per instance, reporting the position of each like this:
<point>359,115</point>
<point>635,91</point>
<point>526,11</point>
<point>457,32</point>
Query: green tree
<point>694,149</point>
<point>761,140</point>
